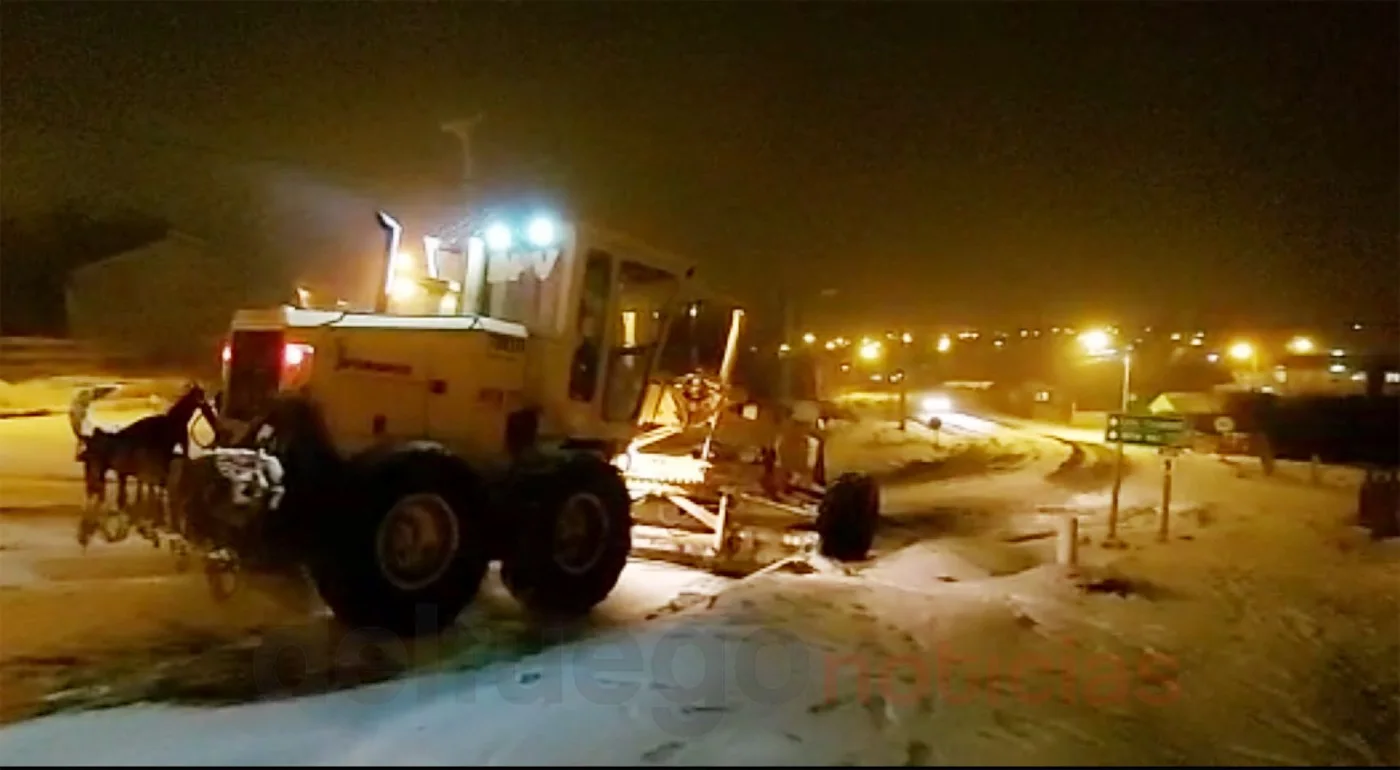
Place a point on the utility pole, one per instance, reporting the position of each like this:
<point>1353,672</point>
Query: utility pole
<point>474,288</point>
<point>785,361</point>
<point>1111,540</point>
<point>462,128</point>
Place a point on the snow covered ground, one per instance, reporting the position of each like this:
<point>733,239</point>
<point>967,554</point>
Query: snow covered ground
<point>1265,631</point>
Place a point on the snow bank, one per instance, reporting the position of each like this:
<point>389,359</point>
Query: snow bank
<point>54,394</point>
<point>918,453</point>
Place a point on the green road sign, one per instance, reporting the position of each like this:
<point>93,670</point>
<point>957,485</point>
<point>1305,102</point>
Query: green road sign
<point>1147,430</point>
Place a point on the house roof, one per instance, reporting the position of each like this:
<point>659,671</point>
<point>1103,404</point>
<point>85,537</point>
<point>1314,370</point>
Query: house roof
<point>1189,402</point>
<point>192,245</point>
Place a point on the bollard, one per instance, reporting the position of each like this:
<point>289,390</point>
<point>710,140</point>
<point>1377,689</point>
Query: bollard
<point>1067,544</point>
<point>1164,520</point>
<point>1378,503</point>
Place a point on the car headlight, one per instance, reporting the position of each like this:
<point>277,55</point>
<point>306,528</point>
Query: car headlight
<point>937,404</point>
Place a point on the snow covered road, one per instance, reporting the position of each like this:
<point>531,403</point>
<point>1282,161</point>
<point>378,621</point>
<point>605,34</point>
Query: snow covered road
<point>1265,631</point>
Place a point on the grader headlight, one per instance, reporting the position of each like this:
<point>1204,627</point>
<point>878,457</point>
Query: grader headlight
<point>541,232</point>
<point>498,237</point>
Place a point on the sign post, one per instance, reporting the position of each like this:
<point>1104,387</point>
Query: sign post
<point>1142,430</point>
<point>1111,539</point>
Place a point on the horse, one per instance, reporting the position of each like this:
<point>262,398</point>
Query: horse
<point>143,450</point>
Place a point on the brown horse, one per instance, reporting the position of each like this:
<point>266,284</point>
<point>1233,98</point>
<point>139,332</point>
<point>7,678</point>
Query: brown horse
<point>143,450</point>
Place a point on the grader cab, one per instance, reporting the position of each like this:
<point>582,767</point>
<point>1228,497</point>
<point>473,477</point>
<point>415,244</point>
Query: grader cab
<point>489,410</point>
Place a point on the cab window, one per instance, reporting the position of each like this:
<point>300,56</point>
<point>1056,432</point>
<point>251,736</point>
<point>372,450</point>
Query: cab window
<point>645,296</point>
<point>592,312</point>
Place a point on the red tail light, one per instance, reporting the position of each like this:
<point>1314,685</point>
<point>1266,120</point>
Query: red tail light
<point>296,364</point>
<point>295,354</point>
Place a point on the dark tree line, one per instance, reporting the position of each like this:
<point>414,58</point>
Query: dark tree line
<point>37,253</point>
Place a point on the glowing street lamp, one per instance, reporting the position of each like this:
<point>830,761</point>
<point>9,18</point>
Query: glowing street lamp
<point>809,338</point>
<point>1301,345</point>
<point>944,344</point>
<point>1243,351</point>
<point>1096,341</point>
<point>870,350</point>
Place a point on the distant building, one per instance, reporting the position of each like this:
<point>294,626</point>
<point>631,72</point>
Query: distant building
<point>1337,375</point>
<point>169,301</point>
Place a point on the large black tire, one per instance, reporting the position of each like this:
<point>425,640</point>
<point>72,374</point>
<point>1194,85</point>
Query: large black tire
<point>355,568</point>
<point>847,517</point>
<point>552,570</point>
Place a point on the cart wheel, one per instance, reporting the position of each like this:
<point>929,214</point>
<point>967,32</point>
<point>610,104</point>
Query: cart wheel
<point>847,517</point>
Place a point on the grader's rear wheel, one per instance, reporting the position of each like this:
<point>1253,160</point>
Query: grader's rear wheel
<point>574,538</point>
<point>847,517</point>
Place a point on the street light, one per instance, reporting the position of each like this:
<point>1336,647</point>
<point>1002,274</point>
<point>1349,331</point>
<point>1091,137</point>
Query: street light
<point>809,338</point>
<point>1099,343</point>
<point>870,350</point>
<point>1301,345</point>
<point>1243,351</point>
<point>1096,341</point>
<point>944,344</point>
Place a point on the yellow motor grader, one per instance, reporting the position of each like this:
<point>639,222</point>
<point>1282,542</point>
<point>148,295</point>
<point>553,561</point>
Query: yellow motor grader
<point>507,409</point>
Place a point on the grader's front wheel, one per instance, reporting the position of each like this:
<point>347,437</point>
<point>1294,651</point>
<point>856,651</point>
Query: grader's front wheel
<point>573,540</point>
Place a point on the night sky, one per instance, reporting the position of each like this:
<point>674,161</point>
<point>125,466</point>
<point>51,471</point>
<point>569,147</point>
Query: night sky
<point>977,162</point>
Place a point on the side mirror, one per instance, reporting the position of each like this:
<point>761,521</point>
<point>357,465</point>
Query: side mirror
<point>935,423</point>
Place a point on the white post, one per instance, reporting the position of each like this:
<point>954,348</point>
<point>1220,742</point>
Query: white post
<point>1067,542</point>
<point>1163,522</point>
